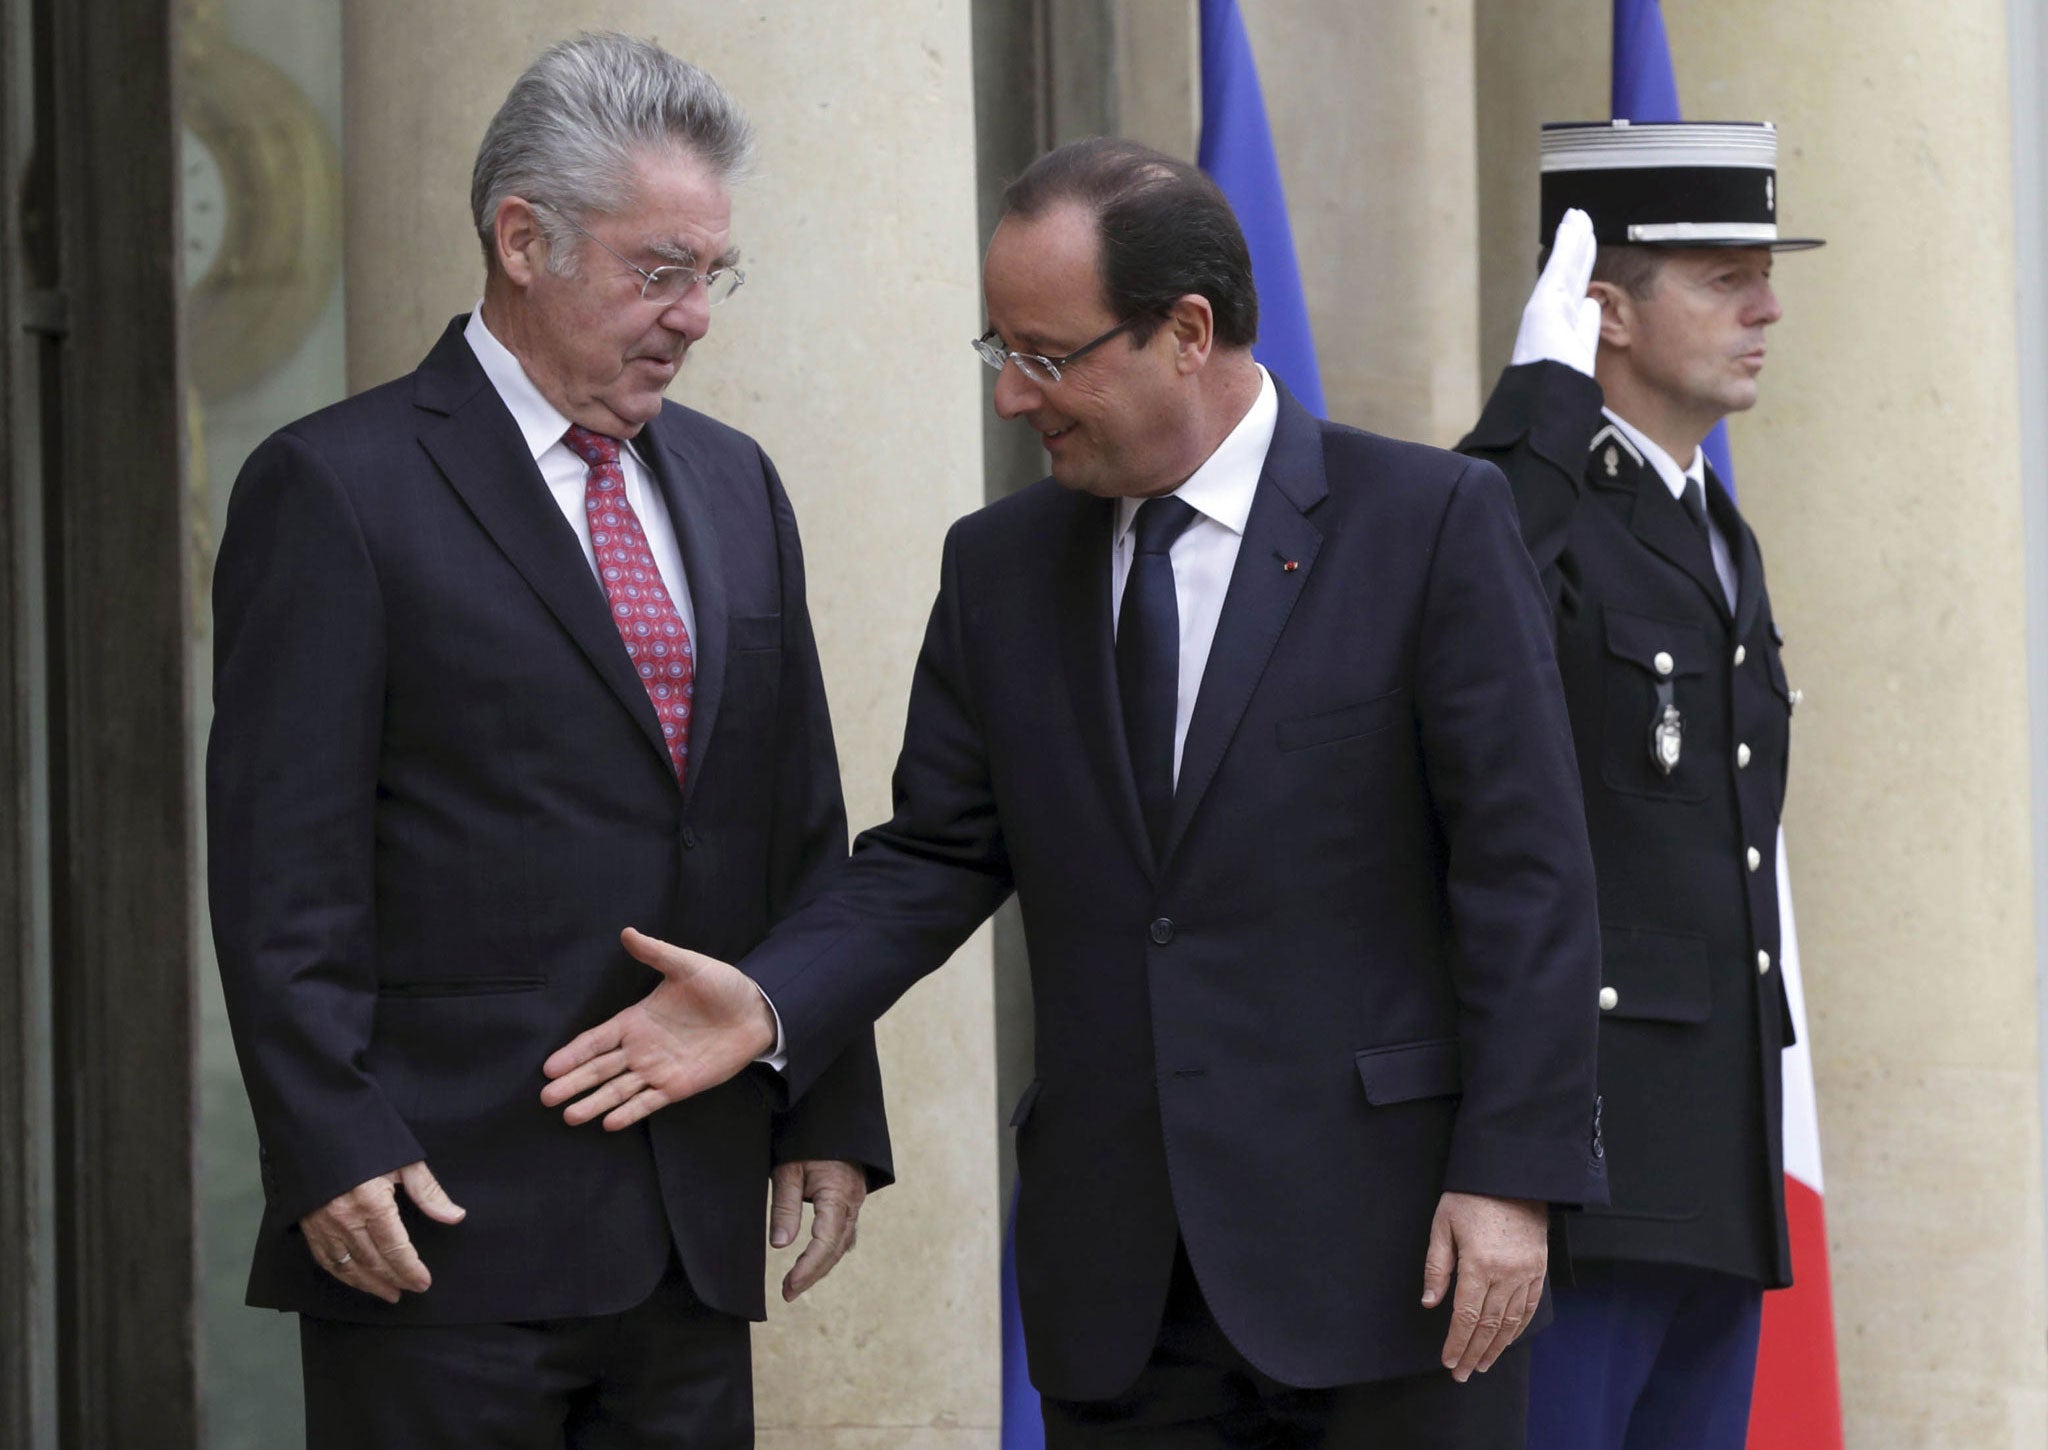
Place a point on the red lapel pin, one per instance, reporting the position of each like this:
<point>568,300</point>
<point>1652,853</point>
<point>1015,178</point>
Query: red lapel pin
<point>1288,566</point>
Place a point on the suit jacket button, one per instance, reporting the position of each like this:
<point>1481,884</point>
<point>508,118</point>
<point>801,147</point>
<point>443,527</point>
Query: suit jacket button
<point>689,838</point>
<point>1742,757</point>
<point>1763,964</point>
<point>1162,930</point>
<point>1756,858</point>
<point>1741,654</point>
<point>1663,663</point>
<point>1609,999</point>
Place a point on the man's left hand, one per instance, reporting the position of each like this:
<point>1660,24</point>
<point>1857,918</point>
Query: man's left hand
<point>835,1192</point>
<point>1499,1249</point>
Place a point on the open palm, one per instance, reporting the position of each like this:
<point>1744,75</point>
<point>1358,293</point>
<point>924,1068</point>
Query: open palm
<point>701,1026</point>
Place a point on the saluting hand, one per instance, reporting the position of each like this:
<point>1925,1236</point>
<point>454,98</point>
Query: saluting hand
<point>1561,323</point>
<point>701,1026</point>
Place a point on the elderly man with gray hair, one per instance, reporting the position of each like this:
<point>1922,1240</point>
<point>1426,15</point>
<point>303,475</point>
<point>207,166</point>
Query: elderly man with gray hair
<point>513,654</point>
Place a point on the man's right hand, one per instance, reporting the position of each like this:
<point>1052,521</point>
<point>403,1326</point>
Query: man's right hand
<point>360,1239</point>
<point>700,1026</point>
<point>1561,323</point>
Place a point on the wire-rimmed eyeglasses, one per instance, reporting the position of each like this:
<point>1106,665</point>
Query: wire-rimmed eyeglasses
<point>1037,366</point>
<point>666,286</point>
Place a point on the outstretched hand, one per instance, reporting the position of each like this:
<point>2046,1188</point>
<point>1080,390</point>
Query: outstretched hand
<point>700,1026</point>
<point>1561,323</point>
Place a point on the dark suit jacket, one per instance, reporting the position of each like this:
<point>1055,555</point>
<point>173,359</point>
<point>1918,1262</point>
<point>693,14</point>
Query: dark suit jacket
<point>1689,1050</point>
<point>437,790</point>
<point>1364,970</point>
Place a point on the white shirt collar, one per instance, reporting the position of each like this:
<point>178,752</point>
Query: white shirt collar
<point>1223,487</point>
<point>540,424</point>
<point>1667,469</point>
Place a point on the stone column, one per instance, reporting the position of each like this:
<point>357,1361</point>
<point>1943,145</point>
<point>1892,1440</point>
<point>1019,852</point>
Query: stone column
<point>1882,470</point>
<point>1372,114</point>
<point>846,356</point>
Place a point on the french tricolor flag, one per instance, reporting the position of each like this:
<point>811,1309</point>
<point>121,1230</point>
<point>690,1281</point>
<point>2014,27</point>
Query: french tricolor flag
<point>1798,1400</point>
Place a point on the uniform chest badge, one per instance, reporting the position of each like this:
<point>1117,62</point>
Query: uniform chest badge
<point>1612,458</point>
<point>1667,732</point>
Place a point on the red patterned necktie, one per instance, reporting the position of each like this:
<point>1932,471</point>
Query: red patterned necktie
<point>648,619</point>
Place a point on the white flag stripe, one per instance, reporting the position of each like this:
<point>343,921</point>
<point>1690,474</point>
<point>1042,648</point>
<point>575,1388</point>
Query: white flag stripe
<point>1802,1116</point>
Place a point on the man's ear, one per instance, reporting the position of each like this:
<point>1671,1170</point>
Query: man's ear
<point>1617,313</point>
<point>521,245</point>
<point>1192,323</point>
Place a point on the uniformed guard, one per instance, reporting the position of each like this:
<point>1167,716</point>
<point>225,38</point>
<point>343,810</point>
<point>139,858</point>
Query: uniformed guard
<point>1645,329</point>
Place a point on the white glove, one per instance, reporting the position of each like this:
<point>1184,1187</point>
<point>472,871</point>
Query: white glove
<point>1561,323</point>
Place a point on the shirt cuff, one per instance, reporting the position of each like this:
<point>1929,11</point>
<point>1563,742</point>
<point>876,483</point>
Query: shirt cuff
<point>778,1057</point>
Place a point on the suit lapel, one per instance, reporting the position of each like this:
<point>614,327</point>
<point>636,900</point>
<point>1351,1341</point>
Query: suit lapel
<point>1654,516</point>
<point>478,448</point>
<point>1088,653</point>
<point>1261,596</point>
<point>690,509</point>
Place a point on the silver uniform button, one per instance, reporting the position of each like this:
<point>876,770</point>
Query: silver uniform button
<point>1662,663</point>
<point>1756,858</point>
<point>1742,757</point>
<point>1763,964</point>
<point>1609,999</point>
<point>1741,654</point>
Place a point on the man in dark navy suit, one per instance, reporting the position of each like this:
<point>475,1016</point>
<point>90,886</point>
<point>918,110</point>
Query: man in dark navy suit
<point>1259,718</point>
<point>513,653</point>
<point>1647,328</point>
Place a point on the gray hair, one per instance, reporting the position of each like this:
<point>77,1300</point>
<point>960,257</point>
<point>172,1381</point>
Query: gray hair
<point>574,126</point>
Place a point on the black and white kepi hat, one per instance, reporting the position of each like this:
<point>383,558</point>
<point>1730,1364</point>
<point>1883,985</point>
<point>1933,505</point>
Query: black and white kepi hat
<point>1667,184</point>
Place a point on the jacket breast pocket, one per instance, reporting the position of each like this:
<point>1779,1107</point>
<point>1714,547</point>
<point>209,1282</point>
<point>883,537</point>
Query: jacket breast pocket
<point>1347,722</point>
<point>750,632</point>
<point>1411,1071</point>
<point>1661,708</point>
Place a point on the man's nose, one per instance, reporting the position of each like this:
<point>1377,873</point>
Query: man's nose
<point>1766,310</point>
<point>1016,394</point>
<point>689,314</point>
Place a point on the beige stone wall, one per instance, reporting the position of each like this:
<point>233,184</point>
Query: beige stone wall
<point>1372,112</point>
<point>1882,471</point>
<point>847,357</point>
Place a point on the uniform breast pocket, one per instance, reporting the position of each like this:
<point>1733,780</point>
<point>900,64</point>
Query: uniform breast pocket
<point>1660,708</point>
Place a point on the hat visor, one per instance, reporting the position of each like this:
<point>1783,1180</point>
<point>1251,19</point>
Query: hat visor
<point>1782,244</point>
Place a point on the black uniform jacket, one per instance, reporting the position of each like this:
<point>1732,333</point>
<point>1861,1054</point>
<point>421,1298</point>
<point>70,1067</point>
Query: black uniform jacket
<point>1362,971</point>
<point>436,791</point>
<point>1694,1013</point>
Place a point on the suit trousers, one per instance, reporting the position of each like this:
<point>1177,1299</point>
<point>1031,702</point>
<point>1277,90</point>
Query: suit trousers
<point>1198,1393</point>
<point>668,1372</point>
<point>1646,1357</point>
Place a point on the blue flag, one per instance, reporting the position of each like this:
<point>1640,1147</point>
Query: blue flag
<point>1023,1420</point>
<point>1237,152</point>
<point>1646,89</point>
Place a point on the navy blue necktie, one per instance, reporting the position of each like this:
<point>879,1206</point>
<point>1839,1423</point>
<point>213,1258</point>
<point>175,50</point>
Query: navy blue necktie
<point>1148,657</point>
<point>1695,500</point>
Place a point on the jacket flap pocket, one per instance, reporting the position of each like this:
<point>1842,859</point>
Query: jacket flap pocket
<point>755,631</point>
<point>1654,976</point>
<point>1660,646</point>
<point>1410,1071</point>
<point>1341,723</point>
<point>1026,1101</point>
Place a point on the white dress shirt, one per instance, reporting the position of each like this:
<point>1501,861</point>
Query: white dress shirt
<point>1220,492</point>
<point>565,473</point>
<point>1674,479</point>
